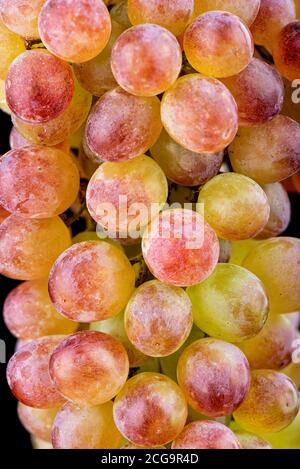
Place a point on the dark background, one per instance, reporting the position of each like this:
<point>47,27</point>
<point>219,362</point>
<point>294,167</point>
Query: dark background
<point>14,436</point>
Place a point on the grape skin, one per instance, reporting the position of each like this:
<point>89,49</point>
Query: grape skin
<point>280,214</point>
<point>16,140</point>
<point>21,16</point>
<point>250,441</point>
<point>247,10</point>
<point>11,45</point>
<point>206,434</point>
<point>89,368</point>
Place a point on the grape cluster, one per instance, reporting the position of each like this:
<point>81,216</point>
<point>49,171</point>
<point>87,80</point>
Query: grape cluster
<point>143,205</point>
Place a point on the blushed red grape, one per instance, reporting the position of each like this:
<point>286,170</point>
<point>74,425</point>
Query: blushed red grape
<point>206,434</point>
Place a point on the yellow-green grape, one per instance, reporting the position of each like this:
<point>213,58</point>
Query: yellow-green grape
<point>273,15</point>
<point>271,404</point>
<point>218,44</point>
<point>119,13</point>
<point>21,16</point>
<point>150,410</point>
<point>169,364</point>
<point>95,75</point>
<point>235,206</point>
<point>289,438</point>
<point>38,422</point>
<point>293,372</point>
<point>11,45</point>
<point>246,9</point>
<point>251,441</point>
<point>158,318</point>
<point>276,262</point>
<point>115,327</point>
<point>272,347</point>
<point>85,427</point>
<point>280,214</point>
<point>173,15</point>
<point>240,249</point>
<point>267,153</point>
<point>231,304</point>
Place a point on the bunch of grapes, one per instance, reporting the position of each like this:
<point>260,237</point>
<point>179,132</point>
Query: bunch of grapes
<point>143,205</point>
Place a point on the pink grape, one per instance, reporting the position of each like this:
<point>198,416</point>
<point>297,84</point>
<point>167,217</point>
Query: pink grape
<point>21,16</point>
<point>206,434</point>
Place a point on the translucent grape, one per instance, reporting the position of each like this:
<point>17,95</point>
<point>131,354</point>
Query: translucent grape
<point>240,250</point>
<point>21,16</point>
<point>247,10</point>
<point>231,304</point>
<point>218,44</point>
<point>150,410</point>
<point>95,75</point>
<point>122,126</point>
<point>38,422</point>
<point>235,206</point>
<point>251,441</point>
<point>288,438</point>
<point>123,197</point>
<point>206,434</point>
<point>146,60</point>
<point>28,374</point>
<point>180,248</point>
<point>89,367</point>
<point>115,327</point>
<point>273,15</point>
<point>75,30</point>
<point>258,91</point>
<point>60,128</point>
<point>39,86</point>
<point>11,45</point>
<point>29,314</point>
<point>85,427</point>
<point>276,262</point>
<point>271,404</point>
<point>280,214</point>
<point>214,376</point>
<point>272,348</point>
<point>293,372</point>
<point>183,166</point>
<point>91,281</point>
<point>158,318</point>
<point>172,15</point>
<point>200,114</point>
<point>286,51</point>
<point>37,181</point>
<point>28,248</point>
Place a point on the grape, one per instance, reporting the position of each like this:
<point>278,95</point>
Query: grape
<point>169,364</point>
<point>28,374</point>
<point>89,367</point>
<point>250,441</point>
<point>16,140</point>
<point>11,45</point>
<point>173,15</point>
<point>276,262</point>
<point>3,214</point>
<point>38,422</point>
<point>180,248</point>
<point>75,30</point>
<point>123,197</point>
<point>158,318</point>
<point>240,250</point>
<point>288,438</point>
<point>21,16</point>
<point>225,250</point>
<point>231,304</point>
<point>95,75</point>
<point>286,51</point>
<point>280,214</point>
<point>58,129</point>
<point>235,206</point>
<point>271,404</point>
<point>37,181</point>
<point>272,348</point>
<point>28,248</point>
<point>122,126</point>
<point>119,13</point>
<point>218,44</point>
<point>295,319</point>
<point>115,327</point>
<point>247,10</point>
<point>293,372</point>
<point>85,427</point>
<point>39,86</point>
<point>91,281</point>
<point>273,15</point>
<point>146,60</point>
<point>214,376</point>
<point>200,114</point>
<point>150,410</point>
<point>37,443</point>
<point>29,313</point>
<point>206,434</point>
<point>183,166</point>
<point>258,91</point>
